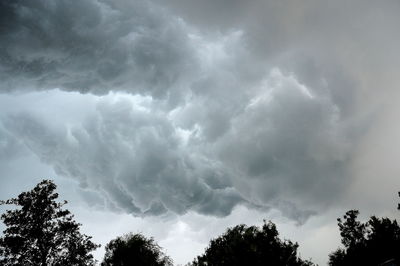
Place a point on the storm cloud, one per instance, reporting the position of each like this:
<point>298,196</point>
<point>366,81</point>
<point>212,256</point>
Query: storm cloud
<point>92,46</point>
<point>282,147</point>
<point>157,107</point>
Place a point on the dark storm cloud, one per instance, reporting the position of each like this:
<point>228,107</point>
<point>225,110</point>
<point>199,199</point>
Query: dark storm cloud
<point>279,146</point>
<point>260,96</point>
<point>92,46</point>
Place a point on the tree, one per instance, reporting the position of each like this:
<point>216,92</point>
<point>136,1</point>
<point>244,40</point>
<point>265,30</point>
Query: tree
<point>40,232</point>
<point>243,245</point>
<point>371,243</point>
<point>134,249</point>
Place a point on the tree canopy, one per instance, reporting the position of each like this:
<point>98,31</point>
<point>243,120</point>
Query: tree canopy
<point>243,245</point>
<point>371,243</point>
<point>134,249</point>
<point>40,232</point>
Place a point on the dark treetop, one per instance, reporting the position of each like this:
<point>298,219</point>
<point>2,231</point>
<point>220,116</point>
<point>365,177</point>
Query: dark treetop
<point>40,232</point>
<point>243,245</point>
<point>372,243</point>
<point>134,249</point>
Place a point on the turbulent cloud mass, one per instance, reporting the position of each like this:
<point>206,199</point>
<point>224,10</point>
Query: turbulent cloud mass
<point>92,46</point>
<point>200,107</point>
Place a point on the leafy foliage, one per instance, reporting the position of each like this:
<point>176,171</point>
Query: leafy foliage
<point>134,249</point>
<point>40,232</point>
<point>370,243</point>
<point>242,245</point>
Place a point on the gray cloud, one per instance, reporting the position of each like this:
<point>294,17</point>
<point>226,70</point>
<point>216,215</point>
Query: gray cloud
<point>257,103</point>
<point>134,158</point>
<point>278,146</point>
<point>92,46</point>
<point>10,147</point>
<point>284,145</point>
<point>351,46</point>
<point>293,144</point>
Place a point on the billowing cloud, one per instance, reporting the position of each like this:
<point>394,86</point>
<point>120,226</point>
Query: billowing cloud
<point>93,46</point>
<point>259,104</point>
<point>351,46</point>
<point>278,146</point>
<point>133,157</point>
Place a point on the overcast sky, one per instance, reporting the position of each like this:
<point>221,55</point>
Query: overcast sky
<point>180,118</point>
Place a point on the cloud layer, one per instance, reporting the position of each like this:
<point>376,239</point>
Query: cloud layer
<point>92,46</point>
<point>183,108</point>
<point>282,147</point>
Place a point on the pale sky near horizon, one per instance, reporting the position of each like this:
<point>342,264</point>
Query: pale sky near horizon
<point>180,118</point>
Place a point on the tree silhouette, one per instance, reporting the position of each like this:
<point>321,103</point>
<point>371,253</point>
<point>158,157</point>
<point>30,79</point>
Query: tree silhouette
<point>40,232</point>
<point>372,243</point>
<point>243,245</point>
<point>134,249</point>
